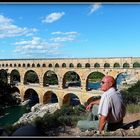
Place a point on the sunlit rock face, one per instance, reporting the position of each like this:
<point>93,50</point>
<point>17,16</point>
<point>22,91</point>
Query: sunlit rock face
<point>125,80</point>
<point>38,110</point>
<point>25,102</point>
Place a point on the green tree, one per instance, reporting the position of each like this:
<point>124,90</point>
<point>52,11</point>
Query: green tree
<point>31,77</point>
<point>95,76</point>
<point>3,76</point>
<point>15,76</point>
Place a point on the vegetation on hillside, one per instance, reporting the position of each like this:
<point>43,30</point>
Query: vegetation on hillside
<point>66,116</point>
<point>131,98</point>
<point>6,98</point>
<point>132,94</point>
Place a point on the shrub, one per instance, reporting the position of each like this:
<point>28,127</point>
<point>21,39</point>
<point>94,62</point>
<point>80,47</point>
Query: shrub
<point>132,94</point>
<point>67,115</point>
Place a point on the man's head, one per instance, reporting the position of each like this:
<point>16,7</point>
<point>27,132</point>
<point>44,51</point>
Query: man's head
<point>107,82</point>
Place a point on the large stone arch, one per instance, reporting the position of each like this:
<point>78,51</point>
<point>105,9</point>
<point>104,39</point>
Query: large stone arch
<point>71,78</point>
<point>4,75</point>
<point>69,98</point>
<point>121,79</point>
<point>50,78</point>
<point>34,80</point>
<point>15,89</point>
<point>50,97</point>
<point>93,80</point>
<point>126,78</point>
<point>15,77</point>
<point>31,94</point>
<point>92,98</point>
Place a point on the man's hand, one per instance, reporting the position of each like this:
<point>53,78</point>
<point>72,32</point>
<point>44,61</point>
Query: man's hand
<point>89,107</point>
<point>100,132</point>
<point>102,122</point>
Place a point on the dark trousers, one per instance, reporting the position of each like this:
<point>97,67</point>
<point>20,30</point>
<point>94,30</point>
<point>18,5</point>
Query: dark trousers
<point>114,126</point>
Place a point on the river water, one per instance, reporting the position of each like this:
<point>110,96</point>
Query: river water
<point>12,114</point>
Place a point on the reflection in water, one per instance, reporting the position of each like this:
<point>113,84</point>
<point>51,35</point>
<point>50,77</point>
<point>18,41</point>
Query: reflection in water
<point>12,114</point>
<point>74,100</point>
<point>94,86</point>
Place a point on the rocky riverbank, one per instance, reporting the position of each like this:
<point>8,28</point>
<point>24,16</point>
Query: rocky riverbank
<point>38,110</point>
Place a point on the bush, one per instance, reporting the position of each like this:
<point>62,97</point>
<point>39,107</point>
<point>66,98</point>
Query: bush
<point>135,87</point>
<point>6,98</point>
<point>79,109</point>
<point>48,121</point>
<point>67,115</point>
<point>132,94</point>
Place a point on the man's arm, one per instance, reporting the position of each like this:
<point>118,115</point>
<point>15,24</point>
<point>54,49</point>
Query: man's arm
<point>102,122</point>
<point>96,102</point>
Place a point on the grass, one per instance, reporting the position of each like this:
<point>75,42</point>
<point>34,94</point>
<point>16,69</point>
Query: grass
<point>133,108</point>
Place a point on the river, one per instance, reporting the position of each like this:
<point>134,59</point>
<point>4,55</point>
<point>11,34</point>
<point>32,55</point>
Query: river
<point>12,114</point>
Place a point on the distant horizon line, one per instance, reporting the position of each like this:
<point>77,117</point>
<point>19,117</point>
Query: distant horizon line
<point>64,58</point>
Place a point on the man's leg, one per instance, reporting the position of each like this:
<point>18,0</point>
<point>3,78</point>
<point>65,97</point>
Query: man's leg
<point>84,125</point>
<point>92,121</point>
<point>93,115</point>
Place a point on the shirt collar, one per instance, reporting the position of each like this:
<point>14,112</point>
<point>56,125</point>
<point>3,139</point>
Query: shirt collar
<point>111,89</point>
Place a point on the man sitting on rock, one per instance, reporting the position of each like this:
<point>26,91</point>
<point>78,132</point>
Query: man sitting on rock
<point>106,113</point>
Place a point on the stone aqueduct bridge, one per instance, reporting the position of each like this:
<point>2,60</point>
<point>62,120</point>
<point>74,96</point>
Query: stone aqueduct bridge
<point>83,67</point>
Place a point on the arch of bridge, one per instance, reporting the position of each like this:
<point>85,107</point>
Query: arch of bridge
<point>60,94</point>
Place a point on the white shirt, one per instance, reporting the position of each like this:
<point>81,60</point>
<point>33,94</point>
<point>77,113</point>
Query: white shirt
<point>111,105</point>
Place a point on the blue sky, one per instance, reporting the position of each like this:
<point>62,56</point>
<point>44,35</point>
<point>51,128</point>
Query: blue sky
<point>83,30</point>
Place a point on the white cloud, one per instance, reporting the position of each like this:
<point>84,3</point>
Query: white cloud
<point>62,39</point>
<point>36,47</point>
<point>5,20</point>
<point>95,7</point>
<point>53,17</point>
<point>8,29</point>
<point>64,33</point>
<point>64,36</point>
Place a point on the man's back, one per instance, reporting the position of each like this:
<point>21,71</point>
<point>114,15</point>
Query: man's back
<point>112,105</point>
